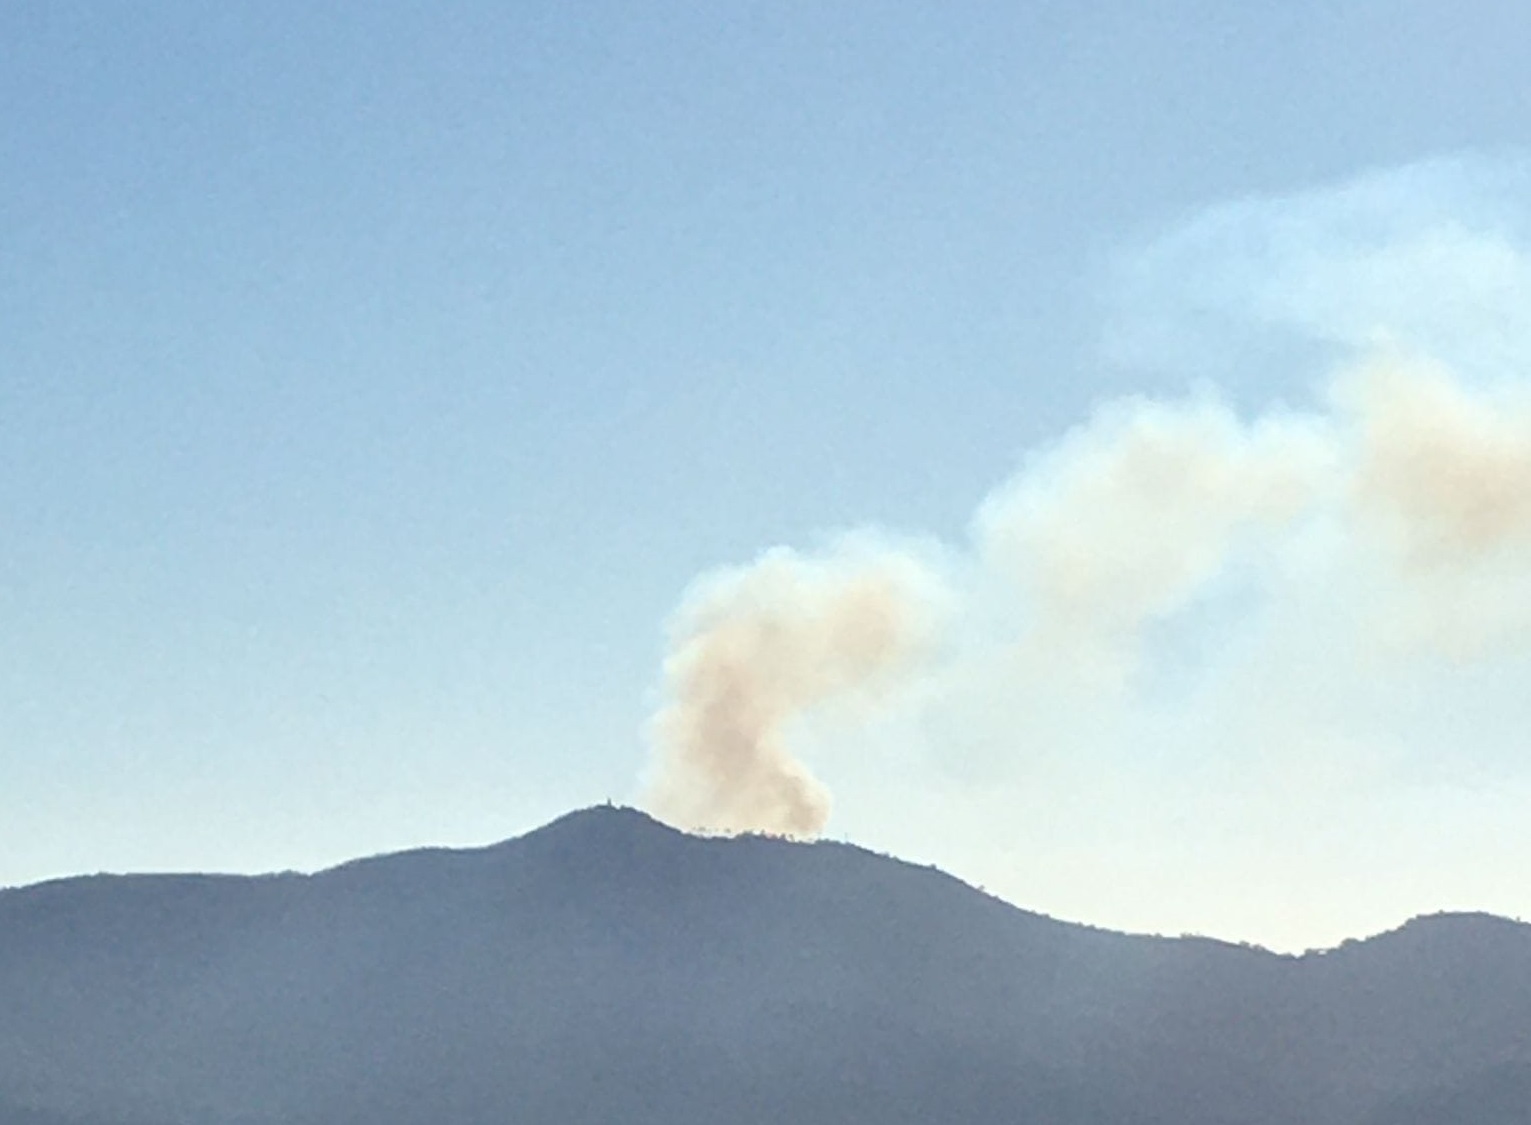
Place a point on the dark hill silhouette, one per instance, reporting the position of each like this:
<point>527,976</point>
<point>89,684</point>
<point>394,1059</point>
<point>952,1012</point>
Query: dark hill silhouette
<point>606,968</point>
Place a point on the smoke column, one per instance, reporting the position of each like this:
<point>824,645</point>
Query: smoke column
<point>1235,660</point>
<point>1408,486</point>
<point>752,650</point>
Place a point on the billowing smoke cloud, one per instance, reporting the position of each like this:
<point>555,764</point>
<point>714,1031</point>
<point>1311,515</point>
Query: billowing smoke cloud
<point>1407,472</point>
<point>1408,482</point>
<point>751,651</point>
<point>1450,468</point>
<point>1127,517</point>
<point>1205,641</point>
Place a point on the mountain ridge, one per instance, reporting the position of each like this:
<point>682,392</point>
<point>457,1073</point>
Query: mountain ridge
<point>603,817</point>
<point>607,967</point>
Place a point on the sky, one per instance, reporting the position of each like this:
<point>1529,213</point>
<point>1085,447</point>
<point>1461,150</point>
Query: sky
<point>398,402</point>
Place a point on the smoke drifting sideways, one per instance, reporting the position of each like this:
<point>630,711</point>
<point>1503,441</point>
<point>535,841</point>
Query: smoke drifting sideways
<point>1367,542</point>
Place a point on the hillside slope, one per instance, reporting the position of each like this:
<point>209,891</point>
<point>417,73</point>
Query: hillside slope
<point>606,968</point>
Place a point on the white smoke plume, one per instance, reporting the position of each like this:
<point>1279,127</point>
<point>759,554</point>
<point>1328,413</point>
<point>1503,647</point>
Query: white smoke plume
<point>1251,636</point>
<point>1128,516</point>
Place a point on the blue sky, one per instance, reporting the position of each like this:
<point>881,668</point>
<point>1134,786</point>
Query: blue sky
<point>374,380</point>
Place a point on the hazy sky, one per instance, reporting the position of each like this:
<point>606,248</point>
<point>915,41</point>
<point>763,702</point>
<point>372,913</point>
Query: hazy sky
<point>375,381</point>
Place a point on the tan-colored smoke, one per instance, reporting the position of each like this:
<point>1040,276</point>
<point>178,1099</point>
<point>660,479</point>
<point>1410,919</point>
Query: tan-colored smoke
<point>1393,518</point>
<point>1411,475</point>
<point>752,650</point>
<point>1447,468</point>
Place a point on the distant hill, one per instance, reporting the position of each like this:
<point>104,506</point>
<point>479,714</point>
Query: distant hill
<point>609,969</point>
